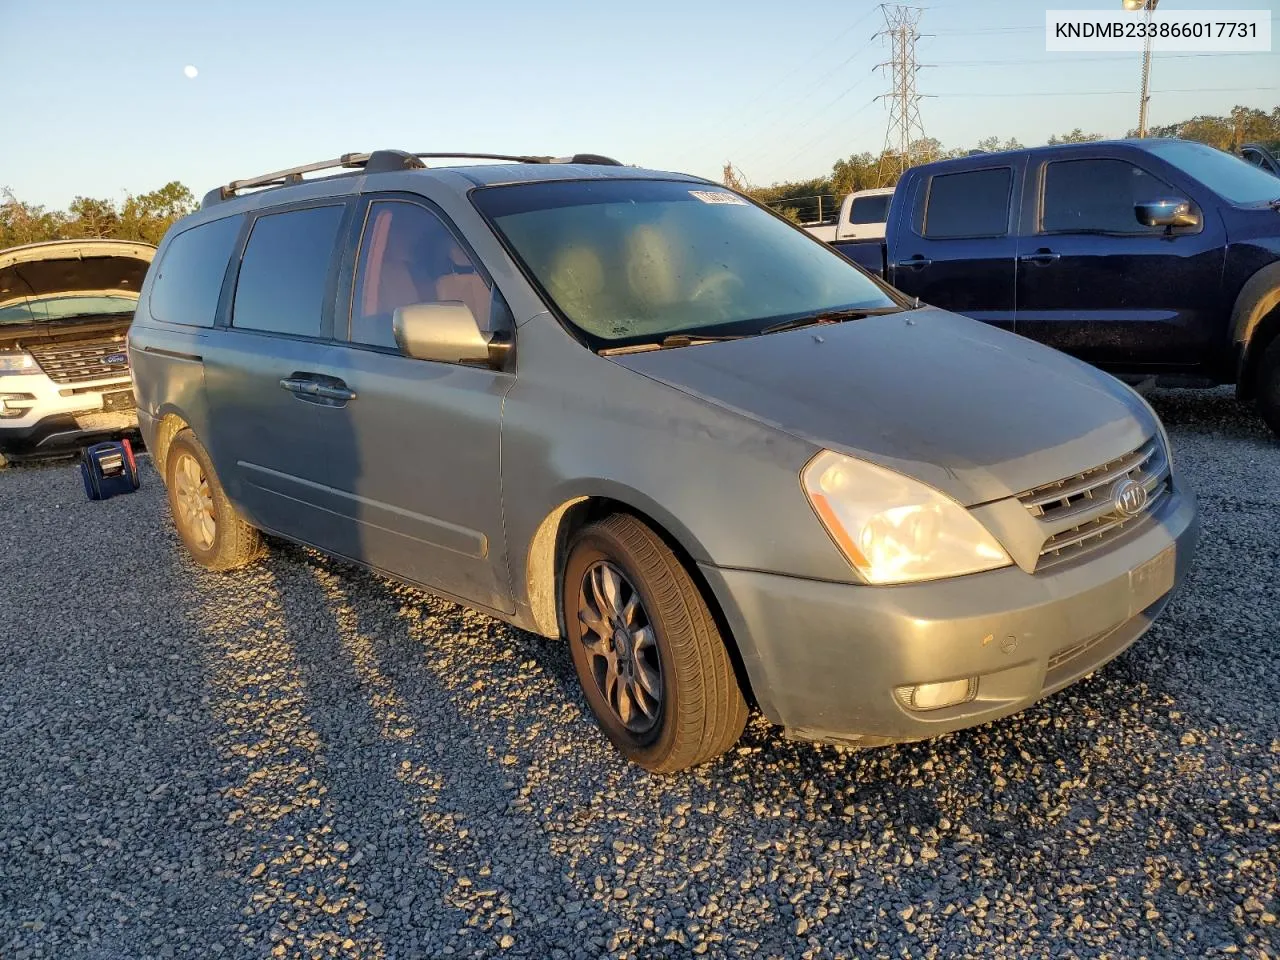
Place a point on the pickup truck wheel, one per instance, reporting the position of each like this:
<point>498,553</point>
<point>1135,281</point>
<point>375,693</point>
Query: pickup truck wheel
<point>208,524</point>
<point>1268,386</point>
<point>650,658</point>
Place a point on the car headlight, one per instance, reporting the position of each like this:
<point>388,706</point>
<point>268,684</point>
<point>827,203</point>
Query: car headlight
<point>17,361</point>
<point>1161,432</point>
<point>894,529</point>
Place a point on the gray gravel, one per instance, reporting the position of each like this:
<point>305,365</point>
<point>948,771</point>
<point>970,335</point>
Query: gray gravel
<point>305,760</point>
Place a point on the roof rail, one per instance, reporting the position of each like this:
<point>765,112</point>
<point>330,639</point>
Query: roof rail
<point>382,161</point>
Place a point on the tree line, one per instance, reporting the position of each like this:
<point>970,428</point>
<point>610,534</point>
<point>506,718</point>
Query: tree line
<point>144,216</point>
<point>865,171</point>
<point>147,216</point>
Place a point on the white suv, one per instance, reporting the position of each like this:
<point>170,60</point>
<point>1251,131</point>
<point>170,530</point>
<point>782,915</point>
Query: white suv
<point>65,310</point>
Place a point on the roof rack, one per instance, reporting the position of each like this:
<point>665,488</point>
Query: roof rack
<point>382,161</point>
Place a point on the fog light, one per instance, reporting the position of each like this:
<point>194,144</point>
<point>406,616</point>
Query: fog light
<point>935,696</point>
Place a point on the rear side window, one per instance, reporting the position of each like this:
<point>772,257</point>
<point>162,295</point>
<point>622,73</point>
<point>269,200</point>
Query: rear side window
<point>285,270</point>
<point>1097,196</point>
<point>870,209</point>
<point>189,277</point>
<point>970,204</point>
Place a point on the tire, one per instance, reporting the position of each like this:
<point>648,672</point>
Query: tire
<point>206,521</point>
<point>698,711</point>
<point>1267,389</point>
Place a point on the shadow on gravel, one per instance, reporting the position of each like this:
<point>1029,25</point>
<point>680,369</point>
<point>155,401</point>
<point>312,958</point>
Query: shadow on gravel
<point>512,813</point>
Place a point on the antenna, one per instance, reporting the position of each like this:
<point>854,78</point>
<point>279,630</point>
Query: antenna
<point>905,126</point>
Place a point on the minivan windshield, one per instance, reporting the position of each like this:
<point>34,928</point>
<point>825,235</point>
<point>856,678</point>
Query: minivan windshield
<point>1227,175</point>
<point>636,261</point>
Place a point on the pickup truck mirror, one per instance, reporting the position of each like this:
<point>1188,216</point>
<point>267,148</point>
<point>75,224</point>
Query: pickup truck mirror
<point>1167,212</point>
<point>447,332</point>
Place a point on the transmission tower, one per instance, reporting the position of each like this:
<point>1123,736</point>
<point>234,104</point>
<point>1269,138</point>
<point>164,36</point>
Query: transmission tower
<point>905,126</point>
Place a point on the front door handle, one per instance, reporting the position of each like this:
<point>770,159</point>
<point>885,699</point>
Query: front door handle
<point>1040,256</point>
<point>304,388</point>
<point>915,262</point>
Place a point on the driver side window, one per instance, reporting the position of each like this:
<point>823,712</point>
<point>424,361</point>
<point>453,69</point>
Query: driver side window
<point>407,255</point>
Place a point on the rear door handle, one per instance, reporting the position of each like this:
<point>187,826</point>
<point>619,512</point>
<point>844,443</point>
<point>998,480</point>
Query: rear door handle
<point>305,388</point>
<point>914,262</point>
<point>1040,256</point>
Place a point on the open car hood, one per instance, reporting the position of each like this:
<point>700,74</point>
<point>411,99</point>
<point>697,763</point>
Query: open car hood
<point>69,267</point>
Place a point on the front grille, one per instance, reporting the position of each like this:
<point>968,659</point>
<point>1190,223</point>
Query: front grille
<point>1079,513</point>
<point>78,361</point>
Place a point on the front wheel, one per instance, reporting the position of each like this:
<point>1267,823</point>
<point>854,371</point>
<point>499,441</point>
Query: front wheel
<point>1268,387</point>
<point>207,522</point>
<point>647,651</point>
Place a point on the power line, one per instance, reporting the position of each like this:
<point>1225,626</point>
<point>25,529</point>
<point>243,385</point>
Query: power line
<point>716,131</point>
<point>1099,93</point>
<point>1105,58</point>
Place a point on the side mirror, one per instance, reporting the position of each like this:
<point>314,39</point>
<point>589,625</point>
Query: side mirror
<point>447,332</point>
<point>1168,212</point>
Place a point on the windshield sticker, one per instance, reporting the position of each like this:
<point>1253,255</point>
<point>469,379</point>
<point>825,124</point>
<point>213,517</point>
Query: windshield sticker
<point>717,196</point>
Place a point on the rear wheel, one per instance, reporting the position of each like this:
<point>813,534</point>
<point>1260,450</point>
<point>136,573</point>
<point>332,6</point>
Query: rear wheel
<point>206,521</point>
<point>647,651</point>
<point>1268,386</point>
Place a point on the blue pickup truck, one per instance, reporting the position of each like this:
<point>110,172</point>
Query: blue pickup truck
<point>1148,258</point>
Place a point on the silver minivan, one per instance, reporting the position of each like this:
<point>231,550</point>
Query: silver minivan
<point>639,412</point>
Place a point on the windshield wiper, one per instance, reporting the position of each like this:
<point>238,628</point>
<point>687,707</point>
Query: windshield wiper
<point>830,316</point>
<point>666,343</point>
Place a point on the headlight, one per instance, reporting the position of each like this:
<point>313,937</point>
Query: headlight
<point>894,529</point>
<point>1160,430</point>
<point>17,361</point>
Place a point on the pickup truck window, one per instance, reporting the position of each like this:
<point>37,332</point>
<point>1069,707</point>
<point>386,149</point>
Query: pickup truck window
<point>1228,176</point>
<point>632,261</point>
<point>408,255</point>
<point>970,204</point>
<point>869,209</point>
<point>1097,196</point>
<point>284,270</point>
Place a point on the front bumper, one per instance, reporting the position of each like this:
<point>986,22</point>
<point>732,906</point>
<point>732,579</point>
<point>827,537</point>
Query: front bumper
<point>61,417</point>
<point>824,659</point>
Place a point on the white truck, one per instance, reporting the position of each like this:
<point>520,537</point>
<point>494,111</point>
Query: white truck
<point>862,216</point>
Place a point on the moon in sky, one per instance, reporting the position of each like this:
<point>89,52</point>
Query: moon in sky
<point>190,72</point>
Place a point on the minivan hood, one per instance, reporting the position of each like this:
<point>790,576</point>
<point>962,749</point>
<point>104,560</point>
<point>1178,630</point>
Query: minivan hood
<point>60,267</point>
<point>973,411</point>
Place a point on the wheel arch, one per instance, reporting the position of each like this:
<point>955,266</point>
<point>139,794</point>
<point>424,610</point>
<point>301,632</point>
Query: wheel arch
<point>169,424</point>
<point>1255,322</point>
<point>549,551</point>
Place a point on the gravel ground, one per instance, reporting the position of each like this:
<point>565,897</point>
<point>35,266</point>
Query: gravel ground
<point>305,760</point>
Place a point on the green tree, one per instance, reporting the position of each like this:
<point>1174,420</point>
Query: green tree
<point>92,218</point>
<point>25,223</point>
<point>147,216</point>
<point>1075,136</point>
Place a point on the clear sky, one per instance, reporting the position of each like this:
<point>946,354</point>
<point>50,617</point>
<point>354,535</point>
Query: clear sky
<point>98,103</point>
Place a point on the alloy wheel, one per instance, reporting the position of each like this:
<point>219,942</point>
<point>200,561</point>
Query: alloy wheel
<point>621,646</point>
<point>194,501</point>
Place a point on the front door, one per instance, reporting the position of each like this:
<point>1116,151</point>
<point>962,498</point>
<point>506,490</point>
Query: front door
<point>957,251</point>
<point>1096,283</point>
<point>426,436</point>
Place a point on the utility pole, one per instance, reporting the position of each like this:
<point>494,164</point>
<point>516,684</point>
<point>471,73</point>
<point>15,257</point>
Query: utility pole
<point>905,126</point>
<point>1148,7</point>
